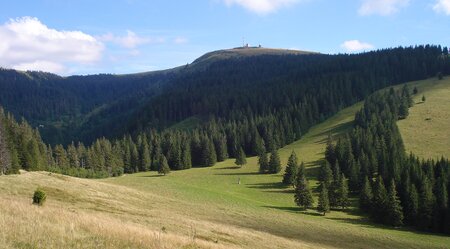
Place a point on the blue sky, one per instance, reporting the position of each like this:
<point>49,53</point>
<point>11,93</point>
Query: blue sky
<point>126,36</point>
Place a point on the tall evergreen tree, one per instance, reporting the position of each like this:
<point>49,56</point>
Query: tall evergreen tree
<point>291,170</point>
<point>274,163</point>
<point>342,194</point>
<point>380,199</point>
<point>240,157</point>
<point>326,174</point>
<point>303,195</point>
<point>366,196</point>
<point>263,162</point>
<point>163,166</point>
<point>394,209</point>
<point>324,202</point>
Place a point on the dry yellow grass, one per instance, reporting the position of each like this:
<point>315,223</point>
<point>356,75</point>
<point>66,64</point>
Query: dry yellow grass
<point>81,213</point>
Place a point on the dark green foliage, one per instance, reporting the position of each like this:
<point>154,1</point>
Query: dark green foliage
<point>415,90</point>
<point>394,209</point>
<point>366,196</point>
<point>291,172</point>
<point>324,202</point>
<point>342,193</point>
<point>303,195</point>
<point>163,166</point>
<point>241,158</point>
<point>426,205</point>
<point>380,199</point>
<point>423,98</point>
<point>274,163</point>
<point>326,174</point>
<point>375,147</point>
<point>440,76</point>
<point>263,162</point>
<point>39,197</point>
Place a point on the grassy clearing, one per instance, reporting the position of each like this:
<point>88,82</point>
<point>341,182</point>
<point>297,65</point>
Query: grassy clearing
<point>197,208</point>
<point>426,131</point>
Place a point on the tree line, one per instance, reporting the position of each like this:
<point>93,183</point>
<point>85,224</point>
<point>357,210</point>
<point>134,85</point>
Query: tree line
<point>394,188</point>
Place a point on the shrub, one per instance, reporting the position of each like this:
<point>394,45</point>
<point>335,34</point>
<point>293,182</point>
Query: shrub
<point>39,197</point>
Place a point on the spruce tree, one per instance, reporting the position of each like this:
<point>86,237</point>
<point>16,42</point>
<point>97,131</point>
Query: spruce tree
<point>342,194</point>
<point>240,157</point>
<point>326,174</point>
<point>263,162</point>
<point>423,98</point>
<point>394,209</point>
<point>324,202</point>
<point>333,190</point>
<point>366,196</point>
<point>379,203</point>
<point>303,195</point>
<point>274,163</point>
<point>426,204</point>
<point>411,206</point>
<point>163,166</point>
<point>291,171</point>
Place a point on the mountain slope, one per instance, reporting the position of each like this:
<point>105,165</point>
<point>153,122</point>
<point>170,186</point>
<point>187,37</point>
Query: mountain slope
<point>230,85</point>
<point>197,208</point>
<point>426,131</point>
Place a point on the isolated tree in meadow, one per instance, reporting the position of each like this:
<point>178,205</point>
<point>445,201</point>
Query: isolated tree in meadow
<point>291,170</point>
<point>423,98</point>
<point>263,162</point>
<point>163,166</point>
<point>274,163</point>
<point>240,157</point>
<point>415,90</point>
<point>324,202</point>
<point>366,195</point>
<point>394,209</point>
<point>303,195</point>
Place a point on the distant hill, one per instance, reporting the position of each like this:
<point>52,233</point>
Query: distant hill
<point>229,85</point>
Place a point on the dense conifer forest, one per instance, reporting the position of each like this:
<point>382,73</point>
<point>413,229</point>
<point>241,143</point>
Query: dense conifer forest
<point>393,187</point>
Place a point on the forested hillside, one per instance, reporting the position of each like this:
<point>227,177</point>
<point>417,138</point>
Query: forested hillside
<point>246,106</point>
<point>394,188</point>
<point>259,86</point>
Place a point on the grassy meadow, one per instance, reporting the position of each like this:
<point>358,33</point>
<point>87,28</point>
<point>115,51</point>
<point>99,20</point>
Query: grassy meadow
<point>426,131</point>
<point>196,208</point>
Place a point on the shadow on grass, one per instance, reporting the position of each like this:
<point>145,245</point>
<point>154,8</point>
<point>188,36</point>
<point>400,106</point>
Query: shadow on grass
<point>297,210</point>
<point>152,176</point>
<point>230,167</point>
<point>268,185</point>
<point>238,174</point>
<point>337,129</point>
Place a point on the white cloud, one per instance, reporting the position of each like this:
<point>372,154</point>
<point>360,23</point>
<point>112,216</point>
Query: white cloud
<point>442,6</point>
<point>356,46</point>
<point>261,6</point>
<point>180,40</point>
<point>381,7</point>
<point>28,44</point>
<point>131,40</point>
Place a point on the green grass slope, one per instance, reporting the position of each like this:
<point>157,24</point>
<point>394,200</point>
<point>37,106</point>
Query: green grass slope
<point>196,208</point>
<point>426,131</point>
